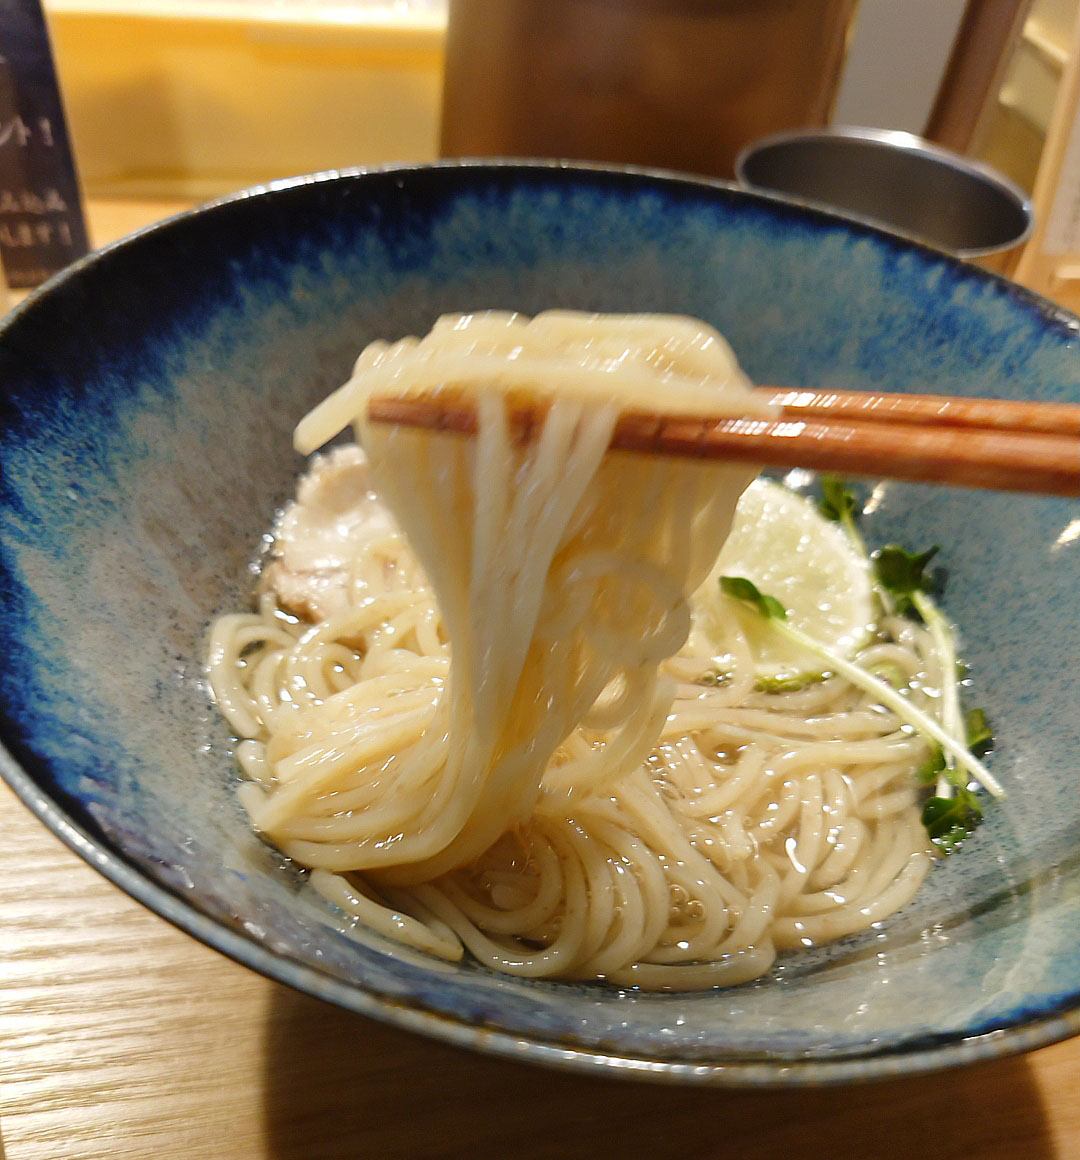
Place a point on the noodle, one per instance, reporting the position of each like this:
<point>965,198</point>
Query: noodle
<point>562,800</point>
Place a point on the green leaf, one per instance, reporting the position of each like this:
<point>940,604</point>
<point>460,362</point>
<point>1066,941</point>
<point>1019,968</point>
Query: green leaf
<point>739,588</point>
<point>789,684</point>
<point>902,574</point>
<point>949,841</point>
<point>949,821</point>
<point>932,766</point>
<point>980,740</point>
<point>837,500</point>
<point>891,674</point>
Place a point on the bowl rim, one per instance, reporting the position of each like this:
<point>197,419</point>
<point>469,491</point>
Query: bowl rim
<point>921,1055</point>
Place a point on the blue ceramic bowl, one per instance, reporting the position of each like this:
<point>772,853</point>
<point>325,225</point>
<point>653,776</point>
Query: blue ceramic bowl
<point>149,394</point>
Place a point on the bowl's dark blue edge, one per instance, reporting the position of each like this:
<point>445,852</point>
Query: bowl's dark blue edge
<point>919,1055</point>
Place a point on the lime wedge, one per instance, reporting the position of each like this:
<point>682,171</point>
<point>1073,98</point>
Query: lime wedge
<point>781,542</point>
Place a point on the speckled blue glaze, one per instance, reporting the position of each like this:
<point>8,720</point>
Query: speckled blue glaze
<point>148,397</point>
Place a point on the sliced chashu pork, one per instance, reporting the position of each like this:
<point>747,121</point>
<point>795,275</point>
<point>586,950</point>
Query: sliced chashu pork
<point>320,537</point>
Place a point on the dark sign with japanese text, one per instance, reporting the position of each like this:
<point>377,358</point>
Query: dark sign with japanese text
<point>41,220</point>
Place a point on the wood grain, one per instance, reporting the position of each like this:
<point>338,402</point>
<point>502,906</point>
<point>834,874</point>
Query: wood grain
<point>874,446</point>
<point>122,1038</point>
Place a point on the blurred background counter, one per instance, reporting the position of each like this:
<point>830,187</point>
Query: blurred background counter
<point>193,98</point>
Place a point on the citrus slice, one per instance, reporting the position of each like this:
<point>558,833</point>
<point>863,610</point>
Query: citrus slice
<point>781,542</point>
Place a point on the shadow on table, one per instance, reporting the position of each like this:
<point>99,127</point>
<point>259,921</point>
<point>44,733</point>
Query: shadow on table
<point>341,1086</point>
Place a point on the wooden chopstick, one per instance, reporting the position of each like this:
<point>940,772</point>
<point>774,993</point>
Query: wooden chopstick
<point>940,410</point>
<point>923,439</point>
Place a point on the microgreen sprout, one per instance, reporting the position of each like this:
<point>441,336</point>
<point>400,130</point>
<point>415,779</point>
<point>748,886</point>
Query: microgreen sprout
<point>953,807</point>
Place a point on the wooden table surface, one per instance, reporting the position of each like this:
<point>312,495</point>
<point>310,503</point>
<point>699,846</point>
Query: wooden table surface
<point>120,1037</point>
